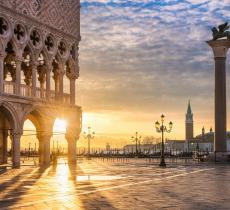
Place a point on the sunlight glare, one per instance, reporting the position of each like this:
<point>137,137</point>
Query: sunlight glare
<point>60,125</point>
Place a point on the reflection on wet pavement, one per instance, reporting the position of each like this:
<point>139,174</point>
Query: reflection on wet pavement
<point>99,184</point>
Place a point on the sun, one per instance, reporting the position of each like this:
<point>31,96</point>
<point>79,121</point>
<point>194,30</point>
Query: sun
<point>60,125</point>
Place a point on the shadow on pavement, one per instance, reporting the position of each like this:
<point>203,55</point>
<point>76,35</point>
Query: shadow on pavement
<point>14,195</point>
<point>59,182</point>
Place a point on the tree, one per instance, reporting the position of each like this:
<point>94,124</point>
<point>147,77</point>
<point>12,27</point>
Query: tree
<point>149,140</point>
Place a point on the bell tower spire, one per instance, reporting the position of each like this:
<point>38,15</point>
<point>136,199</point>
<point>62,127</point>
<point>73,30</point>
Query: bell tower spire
<point>189,123</point>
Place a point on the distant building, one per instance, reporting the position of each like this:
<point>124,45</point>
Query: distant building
<point>207,140</point>
<point>143,148</point>
<point>189,123</point>
<point>201,142</point>
<point>174,145</point>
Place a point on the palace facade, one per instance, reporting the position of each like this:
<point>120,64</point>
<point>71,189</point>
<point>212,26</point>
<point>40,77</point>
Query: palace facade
<point>38,61</point>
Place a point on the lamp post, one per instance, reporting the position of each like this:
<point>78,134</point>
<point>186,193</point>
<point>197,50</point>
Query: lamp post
<point>89,136</point>
<point>136,139</point>
<point>161,128</point>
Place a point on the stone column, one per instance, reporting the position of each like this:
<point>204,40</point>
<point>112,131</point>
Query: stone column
<point>220,48</point>
<point>18,75</point>
<point>48,71</point>
<point>61,84</point>
<point>72,89</point>
<point>16,149</point>
<point>56,80</point>
<point>5,135</point>
<point>42,89</point>
<point>72,148</point>
<point>72,151</point>
<point>44,148</point>
<point>40,150</point>
<point>2,55</point>
<point>34,78</point>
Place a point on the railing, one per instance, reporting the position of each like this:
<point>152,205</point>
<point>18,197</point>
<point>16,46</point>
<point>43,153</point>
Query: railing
<point>53,96</point>
<point>9,87</point>
<point>66,98</point>
<point>38,93</point>
<point>26,91</point>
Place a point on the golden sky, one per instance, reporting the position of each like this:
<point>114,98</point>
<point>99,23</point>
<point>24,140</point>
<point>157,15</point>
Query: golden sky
<point>139,59</point>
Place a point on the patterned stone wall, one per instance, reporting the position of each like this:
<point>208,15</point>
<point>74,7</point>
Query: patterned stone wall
<point>63,15</point>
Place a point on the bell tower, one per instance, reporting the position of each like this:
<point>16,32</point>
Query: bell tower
<point>189,123</point>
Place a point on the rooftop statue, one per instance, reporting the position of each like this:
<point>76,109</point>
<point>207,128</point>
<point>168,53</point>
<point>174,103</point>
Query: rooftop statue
<point>222,32</point>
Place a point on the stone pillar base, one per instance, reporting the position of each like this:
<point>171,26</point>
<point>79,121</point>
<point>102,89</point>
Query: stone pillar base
<point>44,148</point>
<point>72,150</point>
<point>44,164</point>
<point>16,149</point>
<point>222,156</point>
<point>72,162</point>
<point>16,165</point>
<point>72,153</point>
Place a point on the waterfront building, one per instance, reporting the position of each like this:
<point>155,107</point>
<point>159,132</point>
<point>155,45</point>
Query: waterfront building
<point>38,60</point>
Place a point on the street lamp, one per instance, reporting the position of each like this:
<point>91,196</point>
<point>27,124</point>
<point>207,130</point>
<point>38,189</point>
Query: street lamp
<point>89,136</point>
<point>136,139</point>
<point>161,128</point>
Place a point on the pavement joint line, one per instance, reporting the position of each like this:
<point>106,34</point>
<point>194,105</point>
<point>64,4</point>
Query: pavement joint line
<point>113,187</point>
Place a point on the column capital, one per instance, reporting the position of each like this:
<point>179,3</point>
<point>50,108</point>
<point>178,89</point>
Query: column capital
<point>2,55</point>
<point>220,47</point>
<point>19,59</point>
<point>16,134</point>
<point>61,73</point>
<point>72,76</point>
<point>71,138</point>
<point>34,63</point>
<point>49,68</point>
<point>44,136</point>
<point>61,65</point>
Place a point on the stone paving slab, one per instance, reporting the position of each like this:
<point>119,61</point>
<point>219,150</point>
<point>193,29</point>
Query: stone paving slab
<point>98,184</point>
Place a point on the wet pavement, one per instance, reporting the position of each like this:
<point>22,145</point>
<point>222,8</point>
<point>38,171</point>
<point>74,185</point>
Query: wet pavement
<point>106,184</point>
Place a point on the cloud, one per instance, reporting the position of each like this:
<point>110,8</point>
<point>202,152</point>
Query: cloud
<point>145,54</point>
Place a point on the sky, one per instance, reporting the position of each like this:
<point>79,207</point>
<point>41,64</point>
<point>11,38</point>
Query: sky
<point>142,58</point>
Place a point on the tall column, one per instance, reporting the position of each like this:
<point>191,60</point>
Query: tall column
<point>40,150</point>
<point>48,71</point>
<point>220,48</point>
<point>72,89</point>
<point>34,78</point>
<point>2,55</point>
<point>44,148</point>
<point>16,149</point>
<point>5,135</point>
<point>61,84</point>
<point>72,147</point>
<point>18,75</point>
<point>56,80</point>
<point>42,89</point>
<point>72,151</point>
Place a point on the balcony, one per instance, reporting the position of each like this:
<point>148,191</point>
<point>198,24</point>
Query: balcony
<point>40,94</point>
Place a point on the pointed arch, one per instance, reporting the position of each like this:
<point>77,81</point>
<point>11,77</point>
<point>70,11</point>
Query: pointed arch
<point>12,116</point>
<point>30,49</point>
